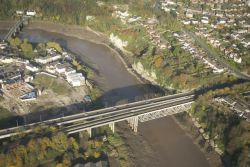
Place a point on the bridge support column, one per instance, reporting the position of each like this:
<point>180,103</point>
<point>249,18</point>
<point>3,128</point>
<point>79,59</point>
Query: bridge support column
<point>112,127</point>
<point>89,132</point>
<point>135,124</point>
<point>130,122</point>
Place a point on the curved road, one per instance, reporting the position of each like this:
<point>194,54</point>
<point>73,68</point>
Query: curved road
<point>213,55</point>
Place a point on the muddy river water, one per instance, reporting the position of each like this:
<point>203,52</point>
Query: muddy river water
<point>171,146</point>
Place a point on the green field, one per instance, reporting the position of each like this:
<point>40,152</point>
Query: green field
<point>58,86</point>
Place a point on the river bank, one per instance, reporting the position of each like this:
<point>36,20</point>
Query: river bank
<point>119,85</point>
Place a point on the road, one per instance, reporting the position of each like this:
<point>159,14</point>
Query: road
<point>216,57</point>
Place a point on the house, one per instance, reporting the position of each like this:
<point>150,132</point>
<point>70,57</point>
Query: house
<point>66,55</point>
<point>69,70</point>
<point>237,60</point>
<point>19,12</point>
<point>186,22</point>
<point>163,46</point>
<point>42,60</point>
<point>30,13</point>
<point>205,20</point>
<point>50,68</point>
<point>6,60</point>
<point>32,68</point>
<point>3,45</point>
<point>87,99</point>
<point>189,14</point>
<point>28,78</point>
<point>195,22</point>
<point>60,68</point>
<point>29,96</point>
<point>90,18</point>
<point>134,19</point>
<point>76,79</point>
<point>21,61</point>
<point>48,59</point>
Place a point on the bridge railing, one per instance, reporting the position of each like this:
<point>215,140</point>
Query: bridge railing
<point>156,102</point>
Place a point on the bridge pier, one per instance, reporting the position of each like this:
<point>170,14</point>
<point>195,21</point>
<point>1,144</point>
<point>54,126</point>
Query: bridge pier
<point>112,127</point>
<point>133,123</point>
<point>135,128</point>
<point>89,130</point>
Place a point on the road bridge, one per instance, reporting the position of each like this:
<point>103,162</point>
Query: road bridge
<point>134,113</point>
<point>17,27</point>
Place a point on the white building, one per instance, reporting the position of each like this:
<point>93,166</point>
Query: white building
<point>70,71</point>
<point>6,60</point>
<point>205,20</point>
<point>3,45</point>
<point>31,13</point>
<point>19,12</point>
<point>31,68</point>
<point>186,22</point>
<point>60,68</point>
<point>189,14</point>
<point>50,68</point>
<point>48,59</point>
<point>28,78</point>
<point>76,79</point>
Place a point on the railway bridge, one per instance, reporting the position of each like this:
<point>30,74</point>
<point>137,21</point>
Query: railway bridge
<point>17,27</point>
<point>133,113</point>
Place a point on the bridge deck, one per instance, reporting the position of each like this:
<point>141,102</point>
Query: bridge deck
<point>100,117</point>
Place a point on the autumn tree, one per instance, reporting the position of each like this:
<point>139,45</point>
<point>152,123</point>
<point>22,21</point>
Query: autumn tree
<point>54,45</point>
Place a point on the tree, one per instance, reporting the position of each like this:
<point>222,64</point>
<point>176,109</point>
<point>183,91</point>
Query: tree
<point>27,49</point>
<point>41,47</point>
<point>97,154</point>
<point>158,61</point>
<point>15,42</point>
<point>59,142</point>
<point>55,46</point>
<point>76,64</point>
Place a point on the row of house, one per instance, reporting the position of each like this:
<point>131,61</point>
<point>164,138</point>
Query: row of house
<point>69,73</point>
<point>53,63</point>
<point>215,19</point>
<point>155,36</point>
<point>168,5</point>
<point>232,52</point>
<point>27,12</point>
<point>188,45</point>
<point>241,109</point>
<point>125,17</point>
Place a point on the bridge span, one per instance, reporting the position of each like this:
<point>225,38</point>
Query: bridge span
<point>134,113</point>
<point>16,28</point>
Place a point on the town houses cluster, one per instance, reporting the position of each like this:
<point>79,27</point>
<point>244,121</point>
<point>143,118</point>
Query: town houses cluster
<point>17,74</point>
<point>223,24</point>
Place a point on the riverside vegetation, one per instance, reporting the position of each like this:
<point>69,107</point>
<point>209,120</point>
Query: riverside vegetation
<point>229,131</point>
<point>58,149</point>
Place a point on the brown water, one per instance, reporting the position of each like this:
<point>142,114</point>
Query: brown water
<point>170,143</point>
<point>174,147</point>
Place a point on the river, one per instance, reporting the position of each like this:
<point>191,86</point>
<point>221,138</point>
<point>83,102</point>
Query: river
<point>170,145</point>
